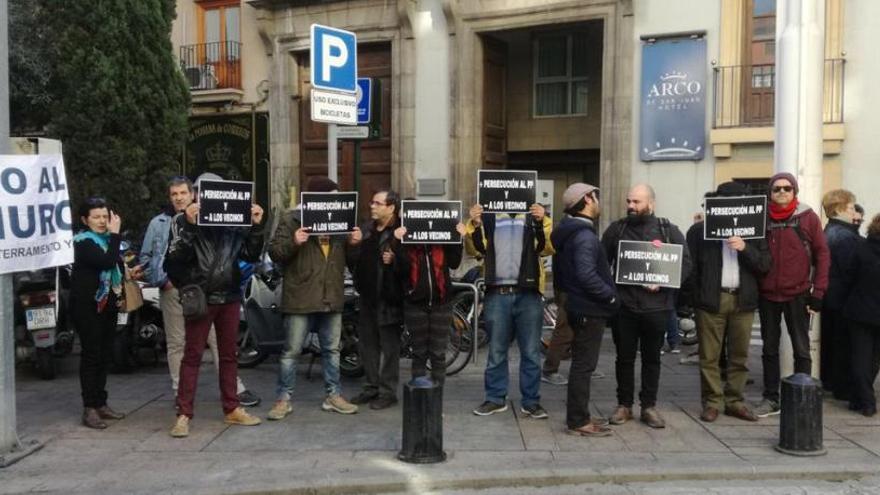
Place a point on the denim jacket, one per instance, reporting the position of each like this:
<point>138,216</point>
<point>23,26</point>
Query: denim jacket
<point>153,249</point>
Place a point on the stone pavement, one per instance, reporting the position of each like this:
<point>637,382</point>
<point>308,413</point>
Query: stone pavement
<point>317,452</point>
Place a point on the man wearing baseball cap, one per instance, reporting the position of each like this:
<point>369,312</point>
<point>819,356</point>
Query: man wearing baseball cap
<point>582,272</point>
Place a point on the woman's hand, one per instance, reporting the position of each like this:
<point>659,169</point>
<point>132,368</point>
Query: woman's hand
<point>115,223</point>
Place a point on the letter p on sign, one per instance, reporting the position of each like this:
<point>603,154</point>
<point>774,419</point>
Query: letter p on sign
<point>334,59</point>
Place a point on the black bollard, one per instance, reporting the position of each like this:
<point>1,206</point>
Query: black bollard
<point>422,423</point>
<point>800,420</point>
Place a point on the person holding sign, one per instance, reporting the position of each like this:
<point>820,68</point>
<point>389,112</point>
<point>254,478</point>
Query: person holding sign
<point>795,285</point>
<point>645,307</point>
<point>423,271</point>
<point>203,262</point>
<point>724,289</point>
<point>95,292</point>
<point>381,301</point>
<point>312,297</point>
<point>512,245</point>
<point>591,298</point>
<point>152,256</point>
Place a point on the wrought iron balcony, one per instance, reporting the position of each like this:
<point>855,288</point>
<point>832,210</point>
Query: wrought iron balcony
<point>211,66</point>
<point>745,95</point>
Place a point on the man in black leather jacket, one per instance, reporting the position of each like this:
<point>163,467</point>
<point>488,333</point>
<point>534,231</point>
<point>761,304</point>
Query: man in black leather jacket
<point>208,257</point>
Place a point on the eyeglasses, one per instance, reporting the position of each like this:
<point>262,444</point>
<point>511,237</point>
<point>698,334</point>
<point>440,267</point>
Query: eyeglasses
<point>783,189</point>
<point>378,203</point>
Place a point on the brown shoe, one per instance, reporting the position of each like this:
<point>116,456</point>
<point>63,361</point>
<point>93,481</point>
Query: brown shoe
<point>710,414</point>
<point>621,415</point>
<point>92,419</point>
<point>742,412</point>
<point>651,417</point>
<point>106,413</point>
<point>590,430</point>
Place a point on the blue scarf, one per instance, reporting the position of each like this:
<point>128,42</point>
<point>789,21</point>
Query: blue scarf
<point>108,279</point>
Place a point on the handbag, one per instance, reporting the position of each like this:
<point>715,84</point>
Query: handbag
<point>193,302</point>
<point>132,296</point>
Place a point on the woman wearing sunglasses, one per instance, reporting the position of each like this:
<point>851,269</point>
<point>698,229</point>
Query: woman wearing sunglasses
<point>96,289</point>
<point>795,285</point>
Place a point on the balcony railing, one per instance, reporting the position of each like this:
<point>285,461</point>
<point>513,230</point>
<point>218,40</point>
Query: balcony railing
<point>745,95</point>
<point>215,65</point>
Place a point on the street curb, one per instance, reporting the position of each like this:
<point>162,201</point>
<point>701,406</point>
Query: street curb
<point>562,479</point>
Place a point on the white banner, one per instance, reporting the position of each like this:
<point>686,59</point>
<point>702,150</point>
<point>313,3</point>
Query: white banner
<point>36,222</point>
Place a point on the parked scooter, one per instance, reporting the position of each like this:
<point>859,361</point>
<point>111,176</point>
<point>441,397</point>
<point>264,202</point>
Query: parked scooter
<point>43,331</point>
<point>140,335</point>
<point>262,332</point>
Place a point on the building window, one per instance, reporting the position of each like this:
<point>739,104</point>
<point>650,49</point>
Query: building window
<point>560,75</point>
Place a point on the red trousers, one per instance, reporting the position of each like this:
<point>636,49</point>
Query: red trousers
<point>225,318</point>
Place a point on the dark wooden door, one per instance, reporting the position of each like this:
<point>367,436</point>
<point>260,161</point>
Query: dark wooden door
<point>374,60</point>
<point>494,103</point>
<point>759,69</point>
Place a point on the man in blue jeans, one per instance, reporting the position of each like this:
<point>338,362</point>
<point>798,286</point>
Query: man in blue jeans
<point>312,297</point>
<point>512,245</point>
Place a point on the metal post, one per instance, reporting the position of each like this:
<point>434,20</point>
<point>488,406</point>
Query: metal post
<point>8,438</point>
<point>357,165</point>
<point>332,163</point>
<point>800,42</point>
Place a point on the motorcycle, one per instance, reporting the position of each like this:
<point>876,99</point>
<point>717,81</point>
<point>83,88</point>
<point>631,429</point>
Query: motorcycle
<point>140,332</point>
<point>261,331</point>
<point>43,331</point>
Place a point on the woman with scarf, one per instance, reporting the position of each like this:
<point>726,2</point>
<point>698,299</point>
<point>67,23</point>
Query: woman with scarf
<point>96,289</point>
<point>795,285</point>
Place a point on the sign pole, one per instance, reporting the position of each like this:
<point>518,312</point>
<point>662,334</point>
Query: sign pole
<point>332,163</point>
<point>8,437</point>
<point>357,165</point>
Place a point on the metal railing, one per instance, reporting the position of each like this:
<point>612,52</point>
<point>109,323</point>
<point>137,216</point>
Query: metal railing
<point>215,65</point>
<point>745,95</point>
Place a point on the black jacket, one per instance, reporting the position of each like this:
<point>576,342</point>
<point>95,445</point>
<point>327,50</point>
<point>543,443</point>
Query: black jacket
<point>705,278</point>
<point>580,269</point>
<point>843,240</point>
<point>419,282</point>
<point>634,297</point>
<point>89,260</point>
<point>863,276</point>
<point>208,257</point>
<point>377,283</point>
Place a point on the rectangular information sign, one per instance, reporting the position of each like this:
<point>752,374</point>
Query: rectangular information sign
<point>225,203</point>
<point>644,263</point>
<point>330,212</point>
<point>506,191</point>
<point>741,216</point>
<point>431,222</point>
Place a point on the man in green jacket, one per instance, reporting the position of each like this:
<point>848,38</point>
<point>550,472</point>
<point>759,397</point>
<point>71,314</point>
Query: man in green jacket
<point>312,297</point>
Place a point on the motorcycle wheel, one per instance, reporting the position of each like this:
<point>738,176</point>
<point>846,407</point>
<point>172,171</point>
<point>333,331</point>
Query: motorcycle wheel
<point>249,353</point>
<point>46,366</point>
<point>350,365</point>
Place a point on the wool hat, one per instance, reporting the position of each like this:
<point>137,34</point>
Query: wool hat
<point>787,176</point>
<point>321,184</point>
<point>575,192</point>
<point>732,188</point>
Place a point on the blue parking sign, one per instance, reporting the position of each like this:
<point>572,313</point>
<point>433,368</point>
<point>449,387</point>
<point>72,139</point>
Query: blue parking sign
<point>333,59</point>
<point>364,92</point>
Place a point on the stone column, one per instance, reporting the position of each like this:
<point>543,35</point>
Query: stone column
<point>432,91</point>
<point>800,41</point>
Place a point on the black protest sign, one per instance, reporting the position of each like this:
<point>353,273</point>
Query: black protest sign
<point>506,191</point>
<point>329,213</point>
<point>741,216</point>
<point>649,263</point>
<point>225,203</point>
<point>430,222</point>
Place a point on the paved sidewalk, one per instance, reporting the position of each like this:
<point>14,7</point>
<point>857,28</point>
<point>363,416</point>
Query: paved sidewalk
<point>318,452</point>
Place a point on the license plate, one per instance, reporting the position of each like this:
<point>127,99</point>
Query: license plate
<point>37,318</point>
<point>122,319</point>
